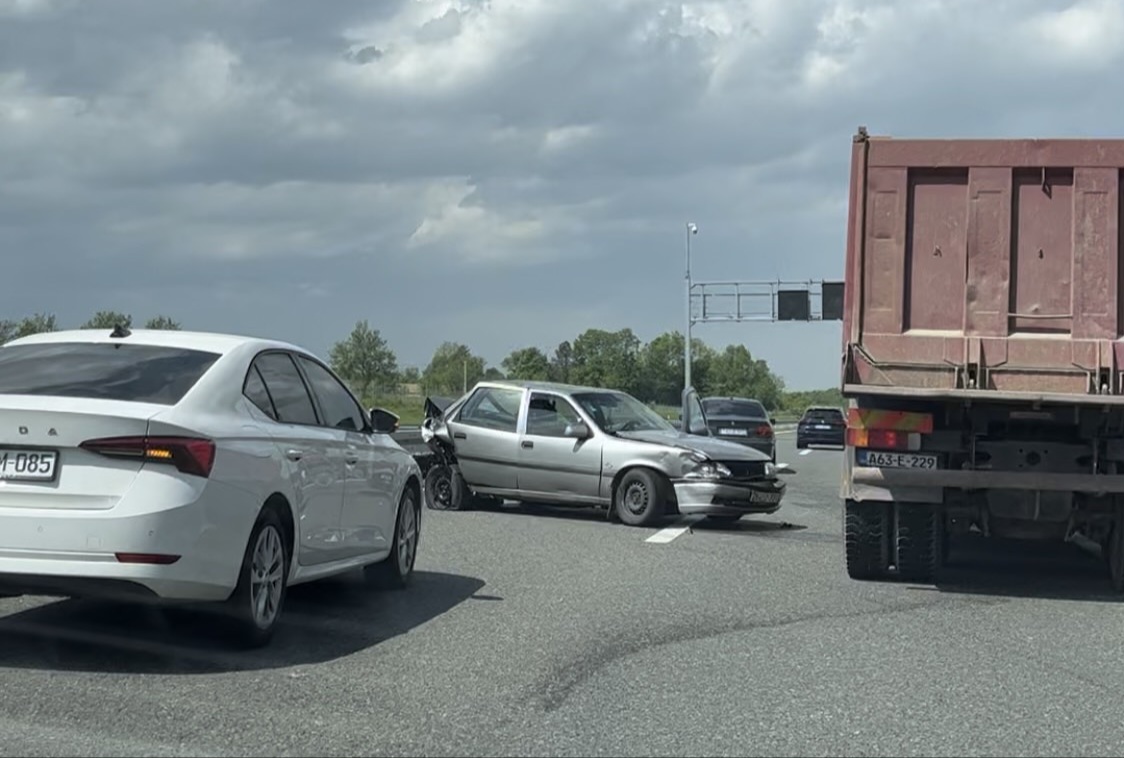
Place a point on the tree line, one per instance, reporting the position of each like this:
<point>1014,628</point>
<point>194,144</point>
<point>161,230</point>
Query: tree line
<point>11,329</point>
<point>651,371</point>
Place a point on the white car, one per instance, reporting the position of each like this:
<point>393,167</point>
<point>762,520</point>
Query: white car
<point>181,467</point>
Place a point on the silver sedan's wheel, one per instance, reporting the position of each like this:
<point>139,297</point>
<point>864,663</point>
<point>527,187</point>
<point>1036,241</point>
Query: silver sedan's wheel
<point>639,497</point>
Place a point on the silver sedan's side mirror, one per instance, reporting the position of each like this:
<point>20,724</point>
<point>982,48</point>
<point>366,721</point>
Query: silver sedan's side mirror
<point>578,430</point>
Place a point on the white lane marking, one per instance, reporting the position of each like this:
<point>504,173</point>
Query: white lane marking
<point>678,529</point>
<point>805,451</point>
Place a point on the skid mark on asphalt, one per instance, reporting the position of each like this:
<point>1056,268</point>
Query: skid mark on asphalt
<point>678,529</point>
<point>566,676</point>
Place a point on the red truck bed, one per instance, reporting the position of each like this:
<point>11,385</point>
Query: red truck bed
<point>985,268</point>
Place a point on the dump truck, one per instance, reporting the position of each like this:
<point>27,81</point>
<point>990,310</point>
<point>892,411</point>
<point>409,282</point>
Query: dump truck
<point>983,361</point>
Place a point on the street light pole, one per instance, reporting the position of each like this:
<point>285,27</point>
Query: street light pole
<point>691,229</point>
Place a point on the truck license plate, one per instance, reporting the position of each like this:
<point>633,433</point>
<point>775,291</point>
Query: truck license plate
<point>896,460</point>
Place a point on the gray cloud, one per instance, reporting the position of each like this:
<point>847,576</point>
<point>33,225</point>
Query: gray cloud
<point>496,172</point>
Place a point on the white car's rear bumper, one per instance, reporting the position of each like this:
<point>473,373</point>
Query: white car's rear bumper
<point>76,553</point>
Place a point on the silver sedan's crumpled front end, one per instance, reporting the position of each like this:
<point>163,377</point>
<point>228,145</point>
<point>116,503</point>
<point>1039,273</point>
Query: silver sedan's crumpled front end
<point>729,488</point>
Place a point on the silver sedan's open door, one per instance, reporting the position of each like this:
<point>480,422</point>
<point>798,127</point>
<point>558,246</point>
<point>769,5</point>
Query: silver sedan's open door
<point>692,414</point>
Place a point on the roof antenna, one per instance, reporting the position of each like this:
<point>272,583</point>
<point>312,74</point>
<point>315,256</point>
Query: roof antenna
<point>119,331</point>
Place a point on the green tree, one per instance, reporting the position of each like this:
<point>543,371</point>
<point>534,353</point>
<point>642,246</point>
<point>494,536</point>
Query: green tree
<point>26,326</point>
<point>702,361</point>
<point>108,320</point>
<point>409,375</point>
<point>527,363</point>
<point>452,368</point>
<point>162,322</point>
<point>607,359</point>
<point>492,374</point>
<point>662,362</point>
<point>364,359</point>
<point>561,362</point>
<point>798,401</point>
<point>734,371</point>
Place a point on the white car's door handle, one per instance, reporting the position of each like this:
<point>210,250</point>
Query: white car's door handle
<point>293,454</point>
<point>352,459</point>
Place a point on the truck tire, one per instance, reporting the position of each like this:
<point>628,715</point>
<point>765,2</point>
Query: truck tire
<point>918,541</point>
<point>1114,551</point>
<point>864,537</point>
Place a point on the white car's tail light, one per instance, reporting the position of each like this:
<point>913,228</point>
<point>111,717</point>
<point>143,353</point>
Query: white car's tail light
<point>191,455</point>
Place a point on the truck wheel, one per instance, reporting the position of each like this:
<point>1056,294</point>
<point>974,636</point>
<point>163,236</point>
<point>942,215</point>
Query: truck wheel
<point>1114,551</point>
<point>864,536</point>
<point>918,541</point>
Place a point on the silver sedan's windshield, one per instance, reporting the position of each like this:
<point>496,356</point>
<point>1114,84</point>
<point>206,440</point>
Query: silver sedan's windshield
<point>617,412</point>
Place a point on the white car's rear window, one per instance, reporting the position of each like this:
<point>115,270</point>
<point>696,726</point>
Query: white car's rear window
<point>106,371</point>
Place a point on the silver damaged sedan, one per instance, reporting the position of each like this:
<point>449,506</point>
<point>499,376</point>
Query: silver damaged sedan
<point>586,446</point>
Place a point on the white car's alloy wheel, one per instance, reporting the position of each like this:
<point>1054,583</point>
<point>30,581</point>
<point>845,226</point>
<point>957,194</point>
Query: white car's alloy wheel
<point>267,577</point>
<point>396,570</point>
<point>408,534</point>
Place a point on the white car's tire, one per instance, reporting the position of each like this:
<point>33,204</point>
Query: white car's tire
<point>397,569</point>
<point>256,604</point>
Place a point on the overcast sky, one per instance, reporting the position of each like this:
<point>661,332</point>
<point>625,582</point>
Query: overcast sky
<point>498,172</point>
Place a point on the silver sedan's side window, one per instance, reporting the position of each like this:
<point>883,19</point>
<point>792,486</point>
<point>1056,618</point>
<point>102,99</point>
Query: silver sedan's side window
<point>549,415</point>
<point>493,408</point>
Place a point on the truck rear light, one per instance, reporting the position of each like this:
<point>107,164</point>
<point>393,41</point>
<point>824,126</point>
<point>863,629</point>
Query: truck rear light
<point>899,421</point>
<point>885,439</point>
<point>764,431</point>
<point>191,455</point>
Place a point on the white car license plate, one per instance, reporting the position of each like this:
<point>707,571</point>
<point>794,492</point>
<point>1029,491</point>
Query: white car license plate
<point>896,460</point>
<point>28,465</point>
<point>734,432</point>
<point>823,426</point>
<point>765,497</point>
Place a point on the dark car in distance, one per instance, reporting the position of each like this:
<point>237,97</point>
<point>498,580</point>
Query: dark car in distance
<point>742,420</point>
<point>821,425</point>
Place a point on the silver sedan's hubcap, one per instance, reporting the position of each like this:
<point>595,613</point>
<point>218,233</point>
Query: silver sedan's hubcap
<point>444,490</point>
<point>636,497</point>
<point>267,568</point>
<point>407,536</point>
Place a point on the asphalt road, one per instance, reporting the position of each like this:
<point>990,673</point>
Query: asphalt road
<point>540,631</point>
